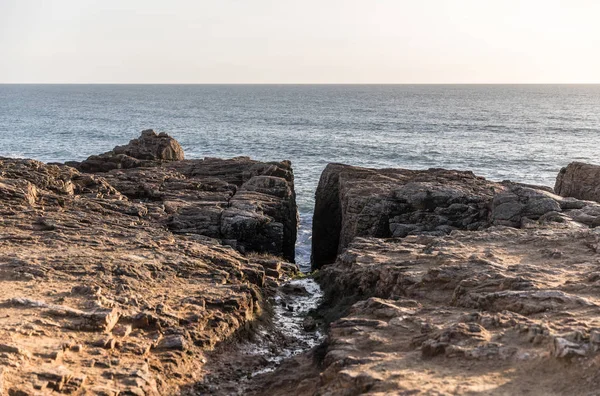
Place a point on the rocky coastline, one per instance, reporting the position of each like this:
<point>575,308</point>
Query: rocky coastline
<point>139,272</point>
<point>120,273</point>
<point>442,282</point>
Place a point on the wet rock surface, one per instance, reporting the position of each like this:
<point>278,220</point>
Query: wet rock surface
<point>239,369</point>
<point>110,282</point>
<point>509,306</point>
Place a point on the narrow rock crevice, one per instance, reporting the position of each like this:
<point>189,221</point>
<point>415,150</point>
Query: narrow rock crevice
<point>327,219</point>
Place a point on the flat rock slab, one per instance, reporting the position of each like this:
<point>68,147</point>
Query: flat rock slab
<point>497,311</point>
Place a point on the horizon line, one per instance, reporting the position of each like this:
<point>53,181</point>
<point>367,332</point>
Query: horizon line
<point>292,83</point>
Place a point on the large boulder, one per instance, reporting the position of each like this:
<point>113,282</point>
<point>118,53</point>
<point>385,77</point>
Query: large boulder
<point>353,201</point>
<point>579,180</point>
<point>360,202</point>
<point>152,146</point>
<point>146,150</point>
<point>247,204</point>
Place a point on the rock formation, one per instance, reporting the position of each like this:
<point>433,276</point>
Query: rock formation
<point>118,282</point>
<point>248,204</point>
<point>579,180</point>
<point>119,274</point>
<point>446,283</point>
<point>148,150</point>
<point>352,201</point>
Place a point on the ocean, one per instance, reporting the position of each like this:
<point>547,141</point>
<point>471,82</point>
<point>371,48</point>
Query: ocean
<point>524,133</point>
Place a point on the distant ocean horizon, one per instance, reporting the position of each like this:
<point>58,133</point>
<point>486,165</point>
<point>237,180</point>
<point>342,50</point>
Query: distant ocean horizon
<point>522,132</point>
<point>271,84</point>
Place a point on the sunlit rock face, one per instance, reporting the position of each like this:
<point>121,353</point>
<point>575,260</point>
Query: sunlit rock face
<point>443,282</point>
<point>119,281</point>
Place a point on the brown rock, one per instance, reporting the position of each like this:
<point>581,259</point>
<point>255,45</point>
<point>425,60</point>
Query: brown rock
<point>99,256</point>
<point>176,341</point>
<point>150,148</point>
<point>562,348</point>
<point>122,330</point>
<point>579,180</point>
<point>353,201</point>
<point>57,377</point>
<point>484,296</point>
<point>14,349</point>
<point>105,343</point>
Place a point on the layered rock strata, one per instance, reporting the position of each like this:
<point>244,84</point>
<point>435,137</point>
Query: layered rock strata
<point>111,284</point>
<point>150,149</point>
<point>352,201</point>
<point>248,204</point>
<point>490,288</point>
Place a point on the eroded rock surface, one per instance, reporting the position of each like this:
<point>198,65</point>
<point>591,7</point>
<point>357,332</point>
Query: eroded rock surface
<point>506,302</point>
<point>111,284</point>
<point>248,204</point>
<point>353,201</point>
<point>498,311</point>
<point>149,149</point>
<point>579,180</point>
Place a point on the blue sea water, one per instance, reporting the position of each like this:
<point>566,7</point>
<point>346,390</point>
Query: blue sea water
<point>522,132</point>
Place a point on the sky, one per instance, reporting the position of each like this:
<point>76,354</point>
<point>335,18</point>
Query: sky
<point>308,41</point>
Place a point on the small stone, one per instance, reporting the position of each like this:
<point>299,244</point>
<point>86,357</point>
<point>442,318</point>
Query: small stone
<point>75,383</point>
<point>122,330</point>
<point>309,323</point>
<point>57,355</point>
<point>105,320</point>
<point>135,348</point>
<point>6,348</point>
<point>562,348</point>
<point>105,343</point>
<point>44,224</point>
<point>177,342</point>
<point>433,348</point>
<point>57,377</point>
<point>294,289</point>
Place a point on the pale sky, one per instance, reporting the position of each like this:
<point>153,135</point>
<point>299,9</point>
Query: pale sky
<point>308,41</point>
